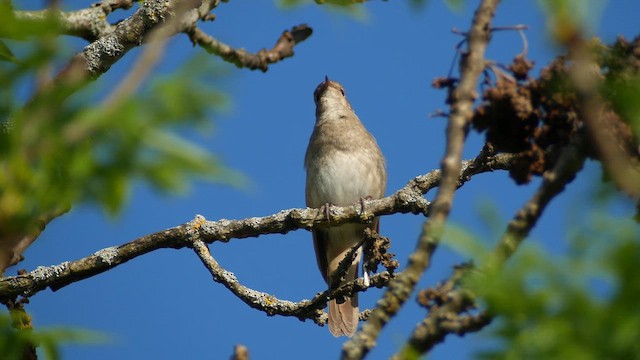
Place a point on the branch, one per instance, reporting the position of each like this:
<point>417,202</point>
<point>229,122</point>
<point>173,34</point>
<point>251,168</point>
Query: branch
<point>269,304</point>
<point>408,199</point>
<point>600,121</point>
<point>89,24</point>
<point>462,97</point>
<point>111,42</point>
<point>12,247</point>
<point>568,165</point>
<point>447,302</point>
<point>70,80</point>
<point>100,55</point>
<point>152,23</point>
<point>243,59</point>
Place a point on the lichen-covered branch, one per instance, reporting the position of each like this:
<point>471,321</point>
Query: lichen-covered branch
<point>269,304</point>
<point>90,23</point>
<point>112,42</point>
<point>98,57</point>
<point>409,199</point>
<point>448,304</point>
<point>449,312</point>
<point>151,24</point>
<point>260,60</point>
<point>462,98</point>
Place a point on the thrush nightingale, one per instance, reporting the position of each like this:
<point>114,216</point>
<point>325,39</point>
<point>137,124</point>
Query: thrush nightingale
<point>344,165</point>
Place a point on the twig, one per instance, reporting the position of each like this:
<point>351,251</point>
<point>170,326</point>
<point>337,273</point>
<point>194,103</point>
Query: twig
<point>243,59</point>
<point>569,163</point>
<point>518,27</point>
<point>443,320</point>
<point>525,43</point>
<point>338,276</point>
<point>462,97</point>
<point>445,316</point>
<point>271,305</point>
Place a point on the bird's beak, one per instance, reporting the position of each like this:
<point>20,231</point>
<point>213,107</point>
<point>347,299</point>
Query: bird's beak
<point>326,78</point>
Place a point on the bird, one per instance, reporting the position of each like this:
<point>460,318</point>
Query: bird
<point>344,165</point>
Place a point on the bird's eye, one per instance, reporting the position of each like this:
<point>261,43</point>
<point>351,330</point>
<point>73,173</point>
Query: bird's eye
<point>342,92</point>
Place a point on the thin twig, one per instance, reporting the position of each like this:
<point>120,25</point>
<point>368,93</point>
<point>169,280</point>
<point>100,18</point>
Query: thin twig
<point>445,318</point>
<point>569,163</point>
<point>243,59</point>
<point>271,305</point>
<point>462,97</point>
<point>442,320</point>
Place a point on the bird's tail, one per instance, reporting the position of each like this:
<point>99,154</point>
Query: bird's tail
<point>343,318</point>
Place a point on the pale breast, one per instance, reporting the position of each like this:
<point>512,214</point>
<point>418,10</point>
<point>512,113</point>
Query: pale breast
<point>343,177</point>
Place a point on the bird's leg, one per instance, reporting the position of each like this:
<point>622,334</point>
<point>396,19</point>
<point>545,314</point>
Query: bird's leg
<point>362,200</point>
<point>326,209</point>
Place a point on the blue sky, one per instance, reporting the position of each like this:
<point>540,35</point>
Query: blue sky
<point>165,305</point>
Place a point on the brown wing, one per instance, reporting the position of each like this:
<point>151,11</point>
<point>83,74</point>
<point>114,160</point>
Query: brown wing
<point>320,245</point>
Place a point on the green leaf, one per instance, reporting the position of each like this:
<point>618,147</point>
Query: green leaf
<point>455,5</point>
<point>64,150</point>
<point>13,342</point>
<point>352,8</point>
<point>6,54</point>
<point>581,306</point>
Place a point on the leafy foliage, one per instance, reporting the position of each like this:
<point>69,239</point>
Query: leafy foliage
<point>13,344</point>
<point>582,305</point>
<point>569,18</point>
<point>57,150</point>
<point>351,8</point>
